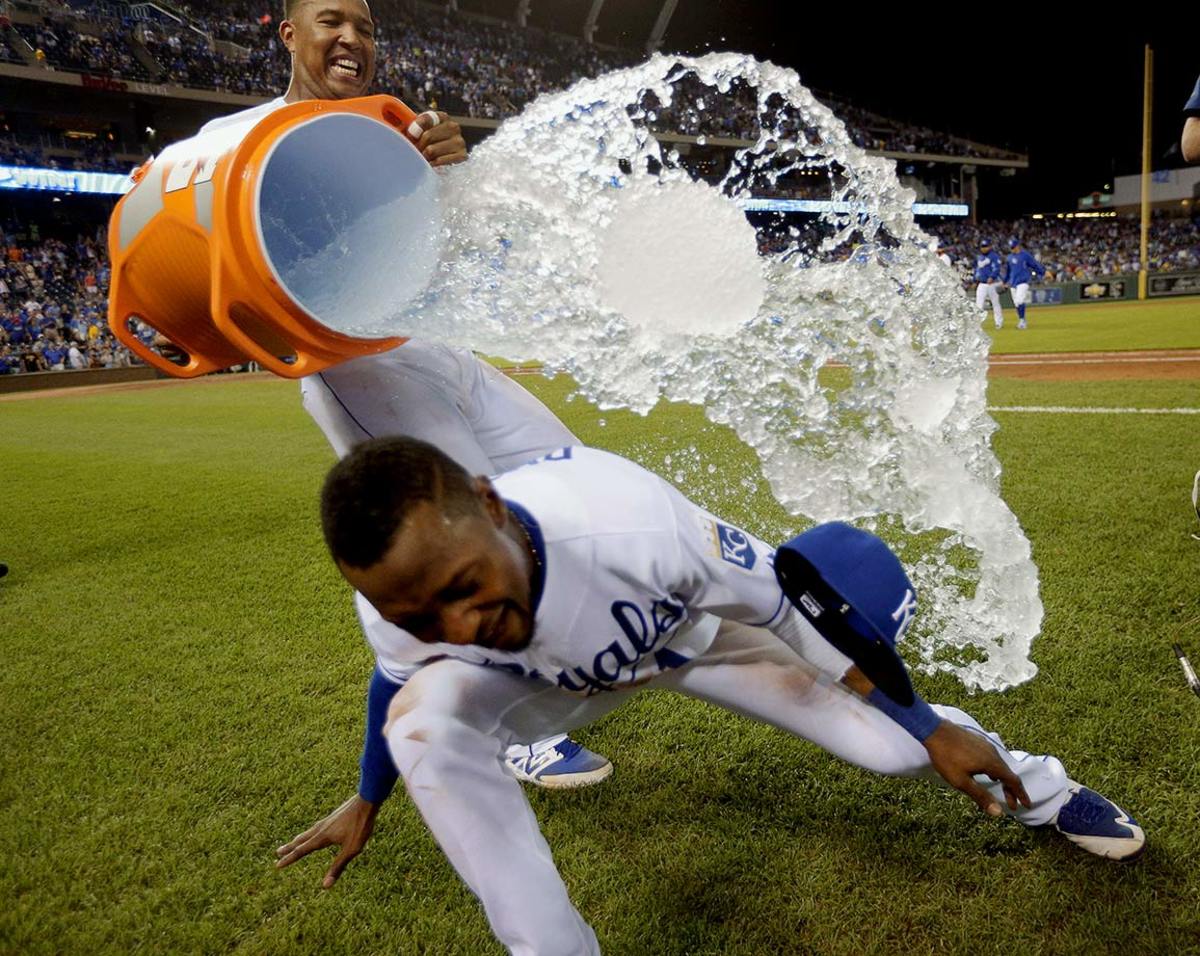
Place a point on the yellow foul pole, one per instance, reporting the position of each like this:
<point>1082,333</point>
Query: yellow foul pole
<point>1148,85</point>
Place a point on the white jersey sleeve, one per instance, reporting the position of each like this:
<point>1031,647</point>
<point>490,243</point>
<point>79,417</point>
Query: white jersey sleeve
<point>729,573</point>
<point>636,578</point>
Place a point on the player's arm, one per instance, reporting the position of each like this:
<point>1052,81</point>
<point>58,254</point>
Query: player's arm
<point>845,587</point>
<point>955,753</point>
<point>350,826</point>
<point>725,571</point>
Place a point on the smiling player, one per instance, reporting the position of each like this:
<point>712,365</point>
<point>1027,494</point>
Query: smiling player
<point>333,49</point>
<point>550,596</point>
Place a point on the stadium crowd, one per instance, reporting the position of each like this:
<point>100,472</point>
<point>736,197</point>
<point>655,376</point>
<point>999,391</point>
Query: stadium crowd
<point>85,155</point>
<point>53,312</point>
<point>100,47</point>
<point>1080,250</point>
<point>429,58</point>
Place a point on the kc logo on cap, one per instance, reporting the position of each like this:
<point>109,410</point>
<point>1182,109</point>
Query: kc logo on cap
<point>904,613</point>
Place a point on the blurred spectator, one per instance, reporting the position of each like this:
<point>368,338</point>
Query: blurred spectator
<point>53,313</point>
<point>89,45</point>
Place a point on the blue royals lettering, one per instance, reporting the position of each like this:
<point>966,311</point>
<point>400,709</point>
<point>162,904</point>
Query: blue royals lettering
<point>644,636</point>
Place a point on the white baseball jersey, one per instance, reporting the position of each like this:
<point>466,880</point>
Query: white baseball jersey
<point>635,579</point>
<point>254,113</point>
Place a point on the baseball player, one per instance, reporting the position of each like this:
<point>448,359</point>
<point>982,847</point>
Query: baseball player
<point>475,414</point>
<point>987,275</point>
<point>551,595</point>
<point>1019,268</point>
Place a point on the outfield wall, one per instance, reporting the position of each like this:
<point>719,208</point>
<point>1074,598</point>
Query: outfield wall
<point>1110,288</point>
<point>37,381</point>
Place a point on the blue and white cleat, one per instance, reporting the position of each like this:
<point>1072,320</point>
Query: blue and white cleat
<point>1099,825</point>
<point>561,767</point>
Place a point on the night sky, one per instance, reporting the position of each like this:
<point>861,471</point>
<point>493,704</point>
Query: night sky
<point>1066,88</point>
<point>1068,91</point>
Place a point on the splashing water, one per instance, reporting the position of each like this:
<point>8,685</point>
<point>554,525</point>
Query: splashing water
<point>542,262</point>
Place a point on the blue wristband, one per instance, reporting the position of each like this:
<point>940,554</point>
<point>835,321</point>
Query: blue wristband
<point>377,773</point>
<point>918,718</point>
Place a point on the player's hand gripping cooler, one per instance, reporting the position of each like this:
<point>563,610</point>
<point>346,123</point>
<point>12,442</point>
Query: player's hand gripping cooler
<point>274,241</point>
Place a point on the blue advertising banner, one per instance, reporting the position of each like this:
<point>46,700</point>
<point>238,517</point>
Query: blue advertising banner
<point>64,180</point>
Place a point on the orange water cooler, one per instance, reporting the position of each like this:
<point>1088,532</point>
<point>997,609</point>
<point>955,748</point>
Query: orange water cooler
<point>288,242</point>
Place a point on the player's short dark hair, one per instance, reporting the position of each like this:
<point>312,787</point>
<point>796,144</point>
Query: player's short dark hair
<point>368,494</point>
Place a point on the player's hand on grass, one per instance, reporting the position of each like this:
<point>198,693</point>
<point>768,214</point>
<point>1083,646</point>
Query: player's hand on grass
<point>958,755</point>
<point>348,827</point>
<point>441,144</point>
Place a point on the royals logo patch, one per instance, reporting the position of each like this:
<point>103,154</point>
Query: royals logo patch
<point>729,543</point>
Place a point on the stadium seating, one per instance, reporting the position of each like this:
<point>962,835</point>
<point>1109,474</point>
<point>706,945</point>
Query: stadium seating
<point>443,60</point>
<point>85,46</point>
<point>1080,250</point>
<point>52,296</point>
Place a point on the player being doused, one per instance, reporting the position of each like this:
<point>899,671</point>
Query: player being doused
<point>548,597</point>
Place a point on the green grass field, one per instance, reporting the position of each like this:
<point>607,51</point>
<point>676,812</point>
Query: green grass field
<point>183,682</point>
<point>1097,327</point>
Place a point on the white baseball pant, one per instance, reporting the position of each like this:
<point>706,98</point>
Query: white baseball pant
<point>1020,294</point>
<point>985,291</point>
<point>449,725</point>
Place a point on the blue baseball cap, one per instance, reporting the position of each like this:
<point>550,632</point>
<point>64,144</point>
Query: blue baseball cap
<point>984,243</point>
<point>1013,242</point>
<point>851,587</point>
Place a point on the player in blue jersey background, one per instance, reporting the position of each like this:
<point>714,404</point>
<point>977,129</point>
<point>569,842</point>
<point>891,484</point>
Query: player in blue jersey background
<point>1019,268</point>
<point>988,269</point>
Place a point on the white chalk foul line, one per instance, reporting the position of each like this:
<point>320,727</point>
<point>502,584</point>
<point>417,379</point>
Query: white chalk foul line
<point>1096,361</point>
<point>1084,410</point>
